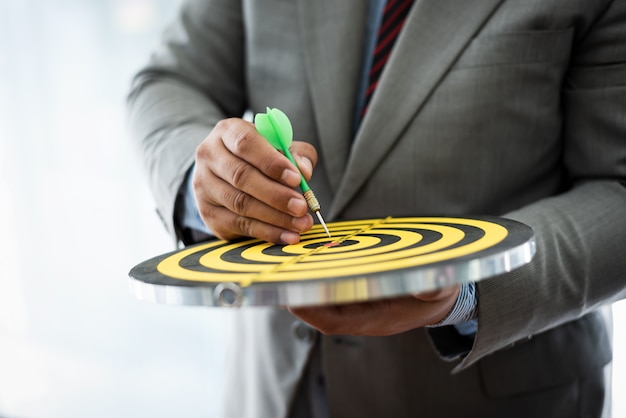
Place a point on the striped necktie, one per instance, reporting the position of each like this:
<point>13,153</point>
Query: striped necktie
<point>394,16</point>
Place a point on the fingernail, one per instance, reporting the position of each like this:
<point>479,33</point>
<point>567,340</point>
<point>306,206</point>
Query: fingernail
<point>297,206</point>
<point>305,164</point>
<point>289,237</point>
<point>290,177</point>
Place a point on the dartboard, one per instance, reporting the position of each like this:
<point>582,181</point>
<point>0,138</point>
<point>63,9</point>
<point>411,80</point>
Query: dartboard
<point>363,260</point>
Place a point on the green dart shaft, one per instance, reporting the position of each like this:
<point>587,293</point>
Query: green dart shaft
<point>308,194</point>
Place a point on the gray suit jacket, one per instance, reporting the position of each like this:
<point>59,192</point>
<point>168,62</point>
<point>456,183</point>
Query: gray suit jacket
<point>505,107</point>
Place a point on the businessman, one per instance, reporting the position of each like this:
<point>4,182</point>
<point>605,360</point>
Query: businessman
<point>514,108</point>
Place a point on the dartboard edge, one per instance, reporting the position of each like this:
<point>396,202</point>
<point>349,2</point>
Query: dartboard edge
<point>366,259</point>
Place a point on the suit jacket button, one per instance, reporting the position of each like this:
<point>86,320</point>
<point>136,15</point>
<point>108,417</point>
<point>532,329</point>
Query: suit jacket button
<point>303,332</point>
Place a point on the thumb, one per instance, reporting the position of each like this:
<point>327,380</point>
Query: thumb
<point>305,156</point>
<point>305,165</point>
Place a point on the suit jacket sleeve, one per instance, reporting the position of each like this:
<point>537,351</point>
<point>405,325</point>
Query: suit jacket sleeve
<point>193,80</point>
<point>581,234</point>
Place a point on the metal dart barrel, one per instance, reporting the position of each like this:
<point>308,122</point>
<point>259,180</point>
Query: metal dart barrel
<point>314,205</point>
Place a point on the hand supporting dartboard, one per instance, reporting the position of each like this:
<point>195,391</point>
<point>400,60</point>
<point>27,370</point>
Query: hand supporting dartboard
<point>381,317</point>
<point>408,268</point>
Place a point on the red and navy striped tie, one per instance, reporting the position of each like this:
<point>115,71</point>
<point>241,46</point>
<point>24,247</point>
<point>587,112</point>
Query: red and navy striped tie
<point>394,16</point>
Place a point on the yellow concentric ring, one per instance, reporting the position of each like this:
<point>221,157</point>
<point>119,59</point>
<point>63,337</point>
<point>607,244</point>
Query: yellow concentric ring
<point>365,257</point>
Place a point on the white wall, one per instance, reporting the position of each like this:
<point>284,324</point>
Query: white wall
<point>75,215</point>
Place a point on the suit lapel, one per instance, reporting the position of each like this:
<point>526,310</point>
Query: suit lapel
<point>435,33</point>
<point>333,34</point>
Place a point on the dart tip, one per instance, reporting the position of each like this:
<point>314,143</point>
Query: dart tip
<point>319,216</point>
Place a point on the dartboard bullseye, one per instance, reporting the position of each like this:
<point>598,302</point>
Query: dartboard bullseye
<point>365,259</point>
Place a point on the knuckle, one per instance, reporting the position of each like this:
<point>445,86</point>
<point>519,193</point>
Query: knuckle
<point>240,201</point>
<point>197,183</point>
<point>268,165</point>
<point>202,151</point>
<point>207,213</point>
<point>205,148</point>
<point>221,125</point>
<point>275,196</point>
<point>220,232</point>
<point>240,174</point>
<point>244,224</point>
<point>241,141</point>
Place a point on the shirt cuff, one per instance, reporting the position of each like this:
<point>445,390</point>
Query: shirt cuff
<point>187,215</point>
<point>453,337</point>
<point>463,313</point>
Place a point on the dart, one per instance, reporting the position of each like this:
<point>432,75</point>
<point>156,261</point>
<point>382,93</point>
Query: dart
<point>276,128</point>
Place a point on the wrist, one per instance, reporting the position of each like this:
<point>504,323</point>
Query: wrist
<point>464,309</point>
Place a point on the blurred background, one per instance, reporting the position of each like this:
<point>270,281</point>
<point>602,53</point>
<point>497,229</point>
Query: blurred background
<point>76,215</point>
